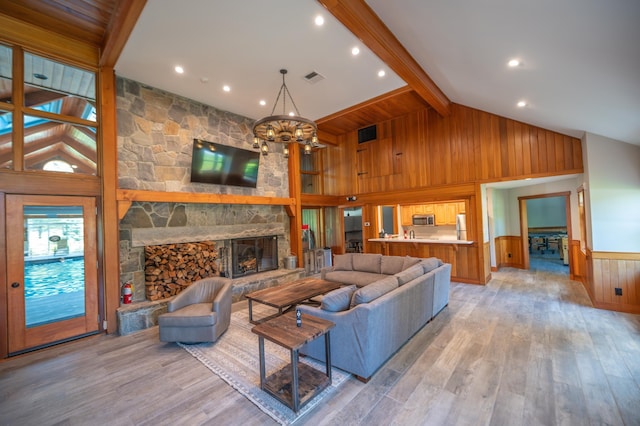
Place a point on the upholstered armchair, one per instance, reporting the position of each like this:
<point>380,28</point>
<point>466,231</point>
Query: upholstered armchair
<point>200,313</point>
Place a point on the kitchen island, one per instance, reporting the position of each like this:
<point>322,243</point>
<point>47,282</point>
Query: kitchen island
<point>461,254</point>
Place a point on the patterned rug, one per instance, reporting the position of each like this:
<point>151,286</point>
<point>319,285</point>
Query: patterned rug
<point>234,358</point>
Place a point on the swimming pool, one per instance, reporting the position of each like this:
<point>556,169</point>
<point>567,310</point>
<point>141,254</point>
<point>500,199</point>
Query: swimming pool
<point>55,277</point>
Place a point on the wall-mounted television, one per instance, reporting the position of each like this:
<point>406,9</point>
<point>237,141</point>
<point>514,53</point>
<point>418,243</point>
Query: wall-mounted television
<point>224,165</point>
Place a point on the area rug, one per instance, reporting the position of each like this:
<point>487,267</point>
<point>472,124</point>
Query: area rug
<point>234,358</point>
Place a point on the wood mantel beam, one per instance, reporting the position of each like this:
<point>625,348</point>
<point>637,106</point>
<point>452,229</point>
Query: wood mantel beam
<point>125,198</point>
<point>362,21</point>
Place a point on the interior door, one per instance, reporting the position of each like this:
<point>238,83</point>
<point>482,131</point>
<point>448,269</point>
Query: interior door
<point>51,270</point>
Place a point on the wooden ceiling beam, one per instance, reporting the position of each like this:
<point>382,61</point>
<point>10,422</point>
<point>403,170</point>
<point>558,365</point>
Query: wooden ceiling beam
<point>122,21</point>
<point>362,21</point>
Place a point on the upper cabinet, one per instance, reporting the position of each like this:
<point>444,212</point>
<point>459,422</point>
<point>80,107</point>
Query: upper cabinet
<point>445,213</point>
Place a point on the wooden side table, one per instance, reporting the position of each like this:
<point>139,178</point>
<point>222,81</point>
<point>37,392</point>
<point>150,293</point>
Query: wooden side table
<point>295,384</point>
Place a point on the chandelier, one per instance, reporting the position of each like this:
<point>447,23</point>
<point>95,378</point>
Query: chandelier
<point>285,128</point>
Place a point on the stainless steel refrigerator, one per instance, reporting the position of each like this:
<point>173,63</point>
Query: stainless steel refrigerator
<point>461,226</point>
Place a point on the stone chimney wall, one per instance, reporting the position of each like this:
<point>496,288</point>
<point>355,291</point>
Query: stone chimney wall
<point>155,138</point>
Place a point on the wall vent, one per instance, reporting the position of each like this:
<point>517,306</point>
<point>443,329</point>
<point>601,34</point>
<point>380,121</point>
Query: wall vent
<point>313,77</point>
<point>367,134</point>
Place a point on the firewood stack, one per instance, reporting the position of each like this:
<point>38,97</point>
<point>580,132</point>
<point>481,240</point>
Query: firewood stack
<point>170,268</point>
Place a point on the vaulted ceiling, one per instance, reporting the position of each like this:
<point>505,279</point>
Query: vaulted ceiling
<point>579,59</point>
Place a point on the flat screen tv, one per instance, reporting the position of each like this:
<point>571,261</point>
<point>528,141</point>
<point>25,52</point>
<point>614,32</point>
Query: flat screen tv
<point>224,165</point>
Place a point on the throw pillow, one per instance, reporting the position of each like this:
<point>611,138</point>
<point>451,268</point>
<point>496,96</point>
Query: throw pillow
<point>430,264</point>
<point>409,274</point>
<point>409,262</point>
<point>391,264</point>
<point>374,290</point>
<point>367,262</point>
<point>342,262</point>
<point>338,300</point>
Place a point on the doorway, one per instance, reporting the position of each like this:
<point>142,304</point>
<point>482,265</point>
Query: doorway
<point>545,222</point>
<point>52,270</point>
<point>353,229</point>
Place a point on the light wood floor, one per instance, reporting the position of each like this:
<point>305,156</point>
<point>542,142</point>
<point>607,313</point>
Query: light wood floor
<point>527,349</point>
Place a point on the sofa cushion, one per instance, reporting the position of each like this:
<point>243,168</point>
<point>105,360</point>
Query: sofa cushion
<point>367,262</point>
<point>353,277</point>
<point>430,264</point>
<point>409,274</point>
<point>342,262</point>
<point>409,262</point>
<point>338,300</point>
<point>374,290</point>
<point>391,265</point>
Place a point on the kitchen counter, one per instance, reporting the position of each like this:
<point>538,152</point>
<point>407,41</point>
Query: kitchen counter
<point>420,241</point>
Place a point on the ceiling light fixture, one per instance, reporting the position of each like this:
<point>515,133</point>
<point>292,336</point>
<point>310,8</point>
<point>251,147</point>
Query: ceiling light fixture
<point>179,69</point>
<point>319,20</point>
<point>284,128</point>
<point>521,104</point>
<point>355,51</point>
<point>381,73</point>
<point>513,63</point>
<point>226,88</point>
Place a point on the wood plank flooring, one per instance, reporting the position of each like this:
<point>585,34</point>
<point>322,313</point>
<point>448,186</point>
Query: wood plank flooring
<point>527,349</point>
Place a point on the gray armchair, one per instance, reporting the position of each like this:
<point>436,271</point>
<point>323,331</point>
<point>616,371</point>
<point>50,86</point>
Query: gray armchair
<point>200,313</point>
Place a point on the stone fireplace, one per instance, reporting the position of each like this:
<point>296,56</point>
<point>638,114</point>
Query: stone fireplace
<point>253,255</point>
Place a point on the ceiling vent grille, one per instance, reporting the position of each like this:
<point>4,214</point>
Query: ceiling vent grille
<point>313,77</point>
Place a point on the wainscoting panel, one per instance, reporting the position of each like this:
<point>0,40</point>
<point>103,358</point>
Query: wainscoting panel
<point>509,251</point>
<point>613,271</point>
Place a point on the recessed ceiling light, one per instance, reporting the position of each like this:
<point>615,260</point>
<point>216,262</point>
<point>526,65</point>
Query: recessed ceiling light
<point>381,73</point>
<point>226,88</point>
<point>179,69</point>
<point>513,63</point>
<point>521,104</point>
<point>319,20</point>
<point>355,51</point>
<point>263,102</point>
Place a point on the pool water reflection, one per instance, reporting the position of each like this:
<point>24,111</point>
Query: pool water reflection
<point>54,290</point>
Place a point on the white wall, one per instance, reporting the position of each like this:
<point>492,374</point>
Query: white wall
<point>546,212</point>
<point>612,194</point>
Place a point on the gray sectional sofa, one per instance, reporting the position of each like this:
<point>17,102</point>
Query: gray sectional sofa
<point>384,302</point>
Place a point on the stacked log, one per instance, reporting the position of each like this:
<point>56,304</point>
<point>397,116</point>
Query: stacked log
<point>170,268</point>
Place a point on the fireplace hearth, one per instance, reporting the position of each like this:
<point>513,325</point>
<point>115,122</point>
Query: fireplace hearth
<point>254,254</point>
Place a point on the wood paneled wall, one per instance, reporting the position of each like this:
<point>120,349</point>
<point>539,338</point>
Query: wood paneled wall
<point>509,251</point>
<point>609,271</point>
<point>422,149</point>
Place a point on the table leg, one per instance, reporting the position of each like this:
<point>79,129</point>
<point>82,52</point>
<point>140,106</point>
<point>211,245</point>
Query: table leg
<point>327,350</point>
<point>295,398</point>
<point>262,362</point>
<point>251,311</point>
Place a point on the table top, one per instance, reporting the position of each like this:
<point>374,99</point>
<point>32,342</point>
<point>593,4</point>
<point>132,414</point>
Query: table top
<point>293,292</point>
<point>283,330</point>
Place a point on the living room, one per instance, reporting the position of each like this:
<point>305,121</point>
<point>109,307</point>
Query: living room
<point>145,197</point>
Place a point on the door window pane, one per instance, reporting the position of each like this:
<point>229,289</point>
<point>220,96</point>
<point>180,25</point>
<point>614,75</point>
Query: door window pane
<point>53,264</point>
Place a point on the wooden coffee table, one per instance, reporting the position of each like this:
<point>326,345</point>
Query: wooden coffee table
<point>286,296</point>
<point>295,384</point>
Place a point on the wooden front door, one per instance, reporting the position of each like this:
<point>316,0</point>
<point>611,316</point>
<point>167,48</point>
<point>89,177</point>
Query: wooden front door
<point>51,270</point>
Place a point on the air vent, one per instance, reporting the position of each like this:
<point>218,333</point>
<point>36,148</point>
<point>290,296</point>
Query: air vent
<point>313,77</point>
<point>367,134</point>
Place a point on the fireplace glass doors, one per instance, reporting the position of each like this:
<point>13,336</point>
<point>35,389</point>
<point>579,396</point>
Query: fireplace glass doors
<point>252,255</point>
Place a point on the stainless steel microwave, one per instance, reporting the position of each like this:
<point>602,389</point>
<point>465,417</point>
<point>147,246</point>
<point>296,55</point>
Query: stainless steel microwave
<point>424,219</point>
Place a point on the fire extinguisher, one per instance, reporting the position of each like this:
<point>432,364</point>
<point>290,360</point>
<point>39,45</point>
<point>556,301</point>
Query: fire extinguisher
<point>127,293</point>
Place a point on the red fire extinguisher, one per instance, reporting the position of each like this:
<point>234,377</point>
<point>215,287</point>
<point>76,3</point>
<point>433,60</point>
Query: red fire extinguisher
<point>127,293</point>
